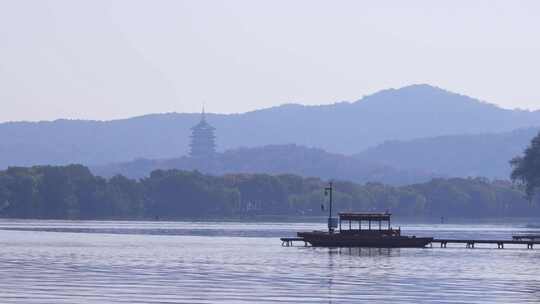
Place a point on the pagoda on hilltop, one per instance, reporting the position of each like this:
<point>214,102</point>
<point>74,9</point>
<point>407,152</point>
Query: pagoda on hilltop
<point>202,139</point>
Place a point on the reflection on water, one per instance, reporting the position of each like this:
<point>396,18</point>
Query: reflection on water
<point>365,252</point>
<point>145,262</point>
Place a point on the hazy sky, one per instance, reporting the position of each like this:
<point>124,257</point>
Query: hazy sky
<point>102,59</point>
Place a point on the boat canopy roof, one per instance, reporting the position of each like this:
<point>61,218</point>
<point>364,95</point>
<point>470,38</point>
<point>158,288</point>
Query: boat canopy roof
<point>357,216</point>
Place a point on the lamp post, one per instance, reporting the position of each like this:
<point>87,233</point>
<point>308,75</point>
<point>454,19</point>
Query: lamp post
<point>331,223</point>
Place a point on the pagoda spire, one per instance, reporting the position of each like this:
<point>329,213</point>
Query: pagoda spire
<point>202,143</point>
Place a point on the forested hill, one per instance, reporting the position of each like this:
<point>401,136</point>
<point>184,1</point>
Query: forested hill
<point>396,114</point>
<point>393,162</point>
<point>485,155</point>
<point>72,192</point>
<point>275,159</point>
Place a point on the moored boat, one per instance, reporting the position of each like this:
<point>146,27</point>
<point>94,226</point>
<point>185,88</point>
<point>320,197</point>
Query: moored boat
<point>361,230</point>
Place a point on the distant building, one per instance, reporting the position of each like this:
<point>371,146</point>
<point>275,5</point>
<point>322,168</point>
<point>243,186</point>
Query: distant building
<point>202,139</point>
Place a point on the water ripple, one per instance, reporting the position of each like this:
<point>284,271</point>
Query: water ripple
<point>146,263</point>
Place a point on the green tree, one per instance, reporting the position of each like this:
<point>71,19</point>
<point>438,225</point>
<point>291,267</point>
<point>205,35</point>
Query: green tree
<point>526,168</point>
<point>73,192</point>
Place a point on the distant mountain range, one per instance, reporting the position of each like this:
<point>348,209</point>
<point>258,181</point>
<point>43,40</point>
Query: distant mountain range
<point>393,162</point>
<point>274,159</point>
<point>485,155</point>
<point>405,114</point>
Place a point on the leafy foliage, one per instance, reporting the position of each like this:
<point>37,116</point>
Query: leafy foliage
<point>526,168</point>
<point>72,192</point>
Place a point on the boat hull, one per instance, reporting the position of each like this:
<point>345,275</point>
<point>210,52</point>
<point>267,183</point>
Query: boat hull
<point>318,239</point>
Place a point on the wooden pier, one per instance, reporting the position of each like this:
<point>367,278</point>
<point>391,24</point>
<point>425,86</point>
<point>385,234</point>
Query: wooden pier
<point>469,243</point>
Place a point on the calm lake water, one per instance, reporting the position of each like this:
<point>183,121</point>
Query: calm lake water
<point>228,262</point>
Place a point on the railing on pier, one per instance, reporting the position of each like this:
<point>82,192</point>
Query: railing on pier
<point>531,237</point>
<point>469,243</point>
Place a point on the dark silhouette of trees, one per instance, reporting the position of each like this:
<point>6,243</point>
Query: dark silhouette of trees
<point>72,192</point>
<point>526,168</point>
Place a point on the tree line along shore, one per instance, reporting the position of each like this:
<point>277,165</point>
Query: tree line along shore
<point>73,192</point>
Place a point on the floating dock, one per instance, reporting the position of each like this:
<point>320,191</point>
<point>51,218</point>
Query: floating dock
<point>289,241</point>
<point>469,243</point>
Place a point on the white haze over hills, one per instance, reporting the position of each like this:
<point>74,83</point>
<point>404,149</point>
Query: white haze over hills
<point>408,113</point>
